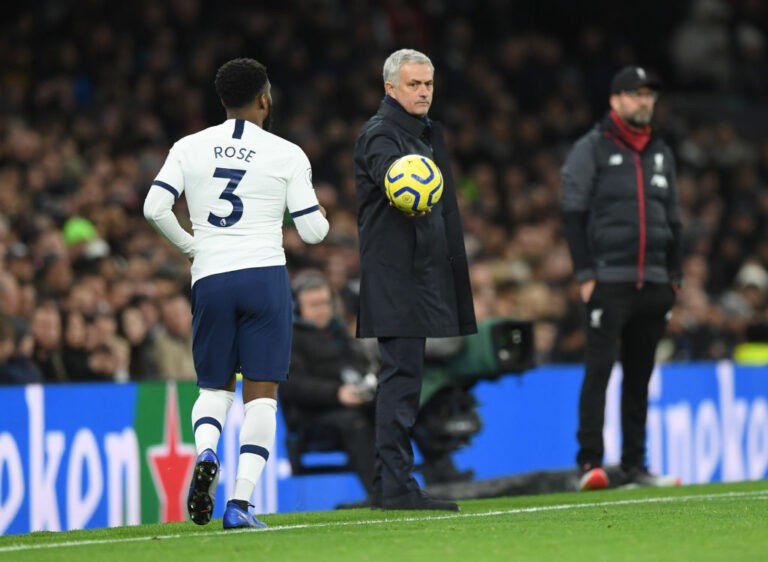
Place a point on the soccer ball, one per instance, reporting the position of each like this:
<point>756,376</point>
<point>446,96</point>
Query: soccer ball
<point>414,183</point>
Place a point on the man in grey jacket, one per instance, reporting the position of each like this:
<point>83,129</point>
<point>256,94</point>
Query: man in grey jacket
<point>622,221</point>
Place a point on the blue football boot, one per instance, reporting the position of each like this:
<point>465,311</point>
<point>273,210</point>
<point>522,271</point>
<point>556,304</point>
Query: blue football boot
<point>235,517</point>
<point>202,490</point>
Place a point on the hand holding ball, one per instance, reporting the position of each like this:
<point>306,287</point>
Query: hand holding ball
<point>414,183</point>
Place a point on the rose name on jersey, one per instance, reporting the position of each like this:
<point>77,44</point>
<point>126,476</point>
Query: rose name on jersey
<point>241,153</point>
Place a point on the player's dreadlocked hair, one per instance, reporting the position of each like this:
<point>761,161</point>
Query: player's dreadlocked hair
<point>239,81</point>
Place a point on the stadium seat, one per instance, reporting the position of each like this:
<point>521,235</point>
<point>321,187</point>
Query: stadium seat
<point>314,456</point>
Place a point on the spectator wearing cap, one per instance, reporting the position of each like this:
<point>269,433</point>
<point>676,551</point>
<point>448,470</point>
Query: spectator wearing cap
<point>623,227</point>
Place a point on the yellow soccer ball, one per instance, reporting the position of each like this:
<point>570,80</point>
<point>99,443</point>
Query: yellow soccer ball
<point>414,183</point>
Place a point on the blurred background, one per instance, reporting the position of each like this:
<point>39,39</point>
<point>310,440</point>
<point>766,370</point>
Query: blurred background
<point>94,93</point>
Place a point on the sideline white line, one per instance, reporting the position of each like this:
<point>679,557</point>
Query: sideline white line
<point>760,494</point>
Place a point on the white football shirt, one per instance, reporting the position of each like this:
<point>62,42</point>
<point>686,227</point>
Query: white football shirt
<point>238,180</point>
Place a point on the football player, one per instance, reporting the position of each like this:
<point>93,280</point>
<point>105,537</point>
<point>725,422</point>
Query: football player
<point>238,179</point>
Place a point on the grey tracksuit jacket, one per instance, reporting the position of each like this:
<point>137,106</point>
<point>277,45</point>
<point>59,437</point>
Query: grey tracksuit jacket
<point>621,209</point>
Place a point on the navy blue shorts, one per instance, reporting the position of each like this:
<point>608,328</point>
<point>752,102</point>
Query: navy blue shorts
<point>242,321</point>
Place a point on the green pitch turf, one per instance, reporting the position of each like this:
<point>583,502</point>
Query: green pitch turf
<point>698,523</point>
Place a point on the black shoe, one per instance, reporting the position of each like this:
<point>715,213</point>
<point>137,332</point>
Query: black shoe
<point>641,477</point>
<point>202,490</point>
<point>417,500</point>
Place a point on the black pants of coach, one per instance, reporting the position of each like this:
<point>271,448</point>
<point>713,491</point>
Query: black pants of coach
<point>624,323</point>
<point>397,403</point>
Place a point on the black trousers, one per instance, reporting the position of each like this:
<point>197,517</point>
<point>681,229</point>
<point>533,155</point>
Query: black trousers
<point>397,403</point>
<point>624,323</point>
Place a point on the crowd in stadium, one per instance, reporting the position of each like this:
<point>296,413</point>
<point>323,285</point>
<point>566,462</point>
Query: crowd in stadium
<point>93,94</point>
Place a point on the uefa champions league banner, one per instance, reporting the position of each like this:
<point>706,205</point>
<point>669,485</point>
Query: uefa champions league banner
<point>100,455</point>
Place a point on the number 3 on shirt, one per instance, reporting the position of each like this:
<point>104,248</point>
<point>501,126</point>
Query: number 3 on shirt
<point>234,177</point>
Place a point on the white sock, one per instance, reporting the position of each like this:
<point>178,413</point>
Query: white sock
<point>257,436</point>
<point>208,416</point>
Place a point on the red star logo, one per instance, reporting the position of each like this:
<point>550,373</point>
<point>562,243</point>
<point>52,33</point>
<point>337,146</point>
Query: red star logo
<point>171,463</point>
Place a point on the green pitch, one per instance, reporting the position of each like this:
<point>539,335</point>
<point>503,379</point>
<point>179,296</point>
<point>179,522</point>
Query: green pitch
<point>708,522</point>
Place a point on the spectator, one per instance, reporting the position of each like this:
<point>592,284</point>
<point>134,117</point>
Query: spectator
<point>18,262</point>
<point>55,276</point>
<point>11,304</point>
<point>134,328</point>
<point>75,346</point>
<point>327,395</point>
<point>109,352</point>
<point>173,345</point>
<point>47,342</point>
<point>701,45</point>
<point>15,368</point>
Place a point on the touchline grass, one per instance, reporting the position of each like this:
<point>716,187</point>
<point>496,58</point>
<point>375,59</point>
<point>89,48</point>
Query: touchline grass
<point>705,522</point>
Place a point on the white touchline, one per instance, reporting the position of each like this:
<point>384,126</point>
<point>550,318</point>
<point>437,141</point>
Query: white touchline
<point>762,494</point>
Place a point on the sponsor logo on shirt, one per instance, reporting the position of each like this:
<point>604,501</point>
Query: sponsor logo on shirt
<point>596,317</point>
<point>659,181</point>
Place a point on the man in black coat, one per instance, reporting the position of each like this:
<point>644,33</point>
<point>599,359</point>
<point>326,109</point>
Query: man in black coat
<point>414,279</point>
<point>622,221</point>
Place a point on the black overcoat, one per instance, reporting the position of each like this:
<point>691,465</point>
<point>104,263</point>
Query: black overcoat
<point>414,278</point>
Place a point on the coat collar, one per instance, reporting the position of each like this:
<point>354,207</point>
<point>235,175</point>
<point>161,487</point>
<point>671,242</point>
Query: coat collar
<point>394,111</point>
